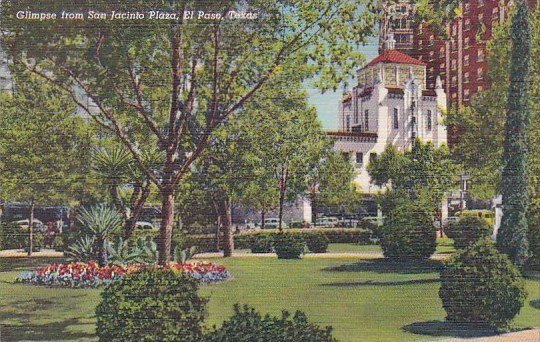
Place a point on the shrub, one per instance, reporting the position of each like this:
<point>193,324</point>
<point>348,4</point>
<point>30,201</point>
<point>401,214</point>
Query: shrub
<point>408,233</point>
<point>481,285</point>
<point>468,230</point>
<point>262,243</point>
<point>534,237</point>
<point>247,325</point>
<point>289,246</point>
<point>152,305</point>
<point>317,242</point>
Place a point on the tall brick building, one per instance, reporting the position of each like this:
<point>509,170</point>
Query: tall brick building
<point>460,60</point>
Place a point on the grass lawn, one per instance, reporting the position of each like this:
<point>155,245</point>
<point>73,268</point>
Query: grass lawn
<point>444,246</point>
<point>362,300</point>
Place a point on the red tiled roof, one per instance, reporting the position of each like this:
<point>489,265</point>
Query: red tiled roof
<point>429,92</point>
<point>395,90</point>
<point>394,56</point>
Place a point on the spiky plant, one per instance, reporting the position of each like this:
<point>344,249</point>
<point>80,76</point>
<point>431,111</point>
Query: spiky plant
<point>102,222</point>
<point>82,249</point>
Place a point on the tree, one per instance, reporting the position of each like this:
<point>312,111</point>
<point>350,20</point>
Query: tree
<point>512,235</point>
<point>44,147</point>
<point>180,80</point>
<point>330,183</point>
<point>424,171</point>
<point>480,149</point>
<point>116,166</point>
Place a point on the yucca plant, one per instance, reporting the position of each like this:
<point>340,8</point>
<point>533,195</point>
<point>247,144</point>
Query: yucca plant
<point>82,249</point>
<point>102,222</point>
<point>121,253</point>
<point>183,255</point>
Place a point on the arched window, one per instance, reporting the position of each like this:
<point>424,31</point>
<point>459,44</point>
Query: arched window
<point>396,118</point>
<point>429,120</point>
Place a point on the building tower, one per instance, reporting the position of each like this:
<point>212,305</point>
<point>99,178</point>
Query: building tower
<point>397,21</point>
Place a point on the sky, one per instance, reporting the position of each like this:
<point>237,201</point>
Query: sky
<point>327,104</point>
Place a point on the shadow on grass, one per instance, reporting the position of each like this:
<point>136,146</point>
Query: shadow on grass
<point>449,329</point>
<point>535,303</point>
<point>388,266</point>
<point>382,283</point>
<point>21,326</point>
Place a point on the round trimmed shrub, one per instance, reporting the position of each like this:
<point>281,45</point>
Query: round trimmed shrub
<point>262,243</point>
<point>248,325</point>
<point>316,242</point>
<point>151,305</point>
<point>289,246</point>
<point>468,230</point>
<point>480,285</point>
<point>408,233</point>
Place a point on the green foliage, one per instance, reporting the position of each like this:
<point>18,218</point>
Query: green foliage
<point>151,305</point>
<point>422,171</point>
<point>83,249</point>
<point>317,242</point>
<point>262,243</point>
<point>407,232</point>
<point>512,234</point>
<point>480,285</point>
<point>289,246</point>
<point>207,242</point>
<point>247,325</point>
<point>480,148</point>
<point>468,230</point>
<point>44,146</point>
<point>534,237</point>
<point>183,255</point>
<point>101,222</point>
<point>139,250</point>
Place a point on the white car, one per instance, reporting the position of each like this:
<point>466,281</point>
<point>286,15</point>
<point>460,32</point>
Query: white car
<point>273,223</point>
<point>38,225</point>
<point>145,225</point>
<point>329,222</point>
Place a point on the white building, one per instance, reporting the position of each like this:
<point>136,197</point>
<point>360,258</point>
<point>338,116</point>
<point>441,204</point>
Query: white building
<point>390,105</point>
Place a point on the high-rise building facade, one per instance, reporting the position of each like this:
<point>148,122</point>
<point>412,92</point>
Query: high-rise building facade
<point>397,22</point>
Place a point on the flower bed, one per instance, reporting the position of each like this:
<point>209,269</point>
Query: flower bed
<point>82,275</point>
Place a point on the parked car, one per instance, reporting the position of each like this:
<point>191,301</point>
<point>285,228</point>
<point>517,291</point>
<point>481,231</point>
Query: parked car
<point>348,222</point>
<point>273,223</point>
<point>374,220</point>
<point>299,224</point>
<point>38,225</point>
<point>329,222</point>
<point>144,225</point>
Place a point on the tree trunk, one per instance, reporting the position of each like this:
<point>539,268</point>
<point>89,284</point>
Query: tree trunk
<point>31,228</point>
<point>263,217</point>
<point>218,232</point>
<point>282,190</point>
<point>165,231</point>
<point>101,244</point>
<point>313,202</point>
<point>228,243</point>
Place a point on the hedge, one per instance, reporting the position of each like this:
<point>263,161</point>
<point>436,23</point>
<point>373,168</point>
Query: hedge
<point>244,240</point>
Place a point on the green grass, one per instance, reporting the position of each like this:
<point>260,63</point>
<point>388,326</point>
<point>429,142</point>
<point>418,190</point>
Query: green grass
<point>444,246</point>
<point>362,300</point>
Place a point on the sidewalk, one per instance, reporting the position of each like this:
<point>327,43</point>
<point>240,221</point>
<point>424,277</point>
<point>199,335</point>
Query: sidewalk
<point>532,335</point>
<point>19,253</point>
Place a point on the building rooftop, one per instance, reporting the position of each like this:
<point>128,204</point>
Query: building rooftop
<point>394,56</point>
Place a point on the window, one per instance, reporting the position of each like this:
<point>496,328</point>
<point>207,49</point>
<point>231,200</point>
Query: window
<point>396,118</point>
<point>467,43</point>
<point>466,60</point>
<point>466,94</point>
<point>441,52</point>
<point>454,81</point>
<point>480,88</point>
<point>359,158</point>
<point>467,8</point>
<point>480,55</point>
<point>480,74</point>
<point>467,25</point>
<point>348,127</point>
<point>355,117</point>
<point>454,64</point>
<point>495,13</point>
<point>429,120</point>
<point>420,42</point>
<point>431,40</point>
<point>366,120</point>
<point>466,77</point>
